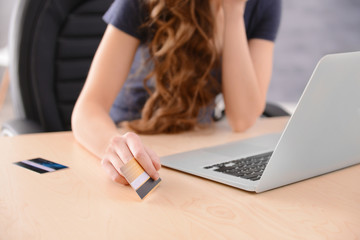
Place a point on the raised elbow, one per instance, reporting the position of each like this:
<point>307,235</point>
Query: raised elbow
<point>243,122</point>
<point>241,125</point>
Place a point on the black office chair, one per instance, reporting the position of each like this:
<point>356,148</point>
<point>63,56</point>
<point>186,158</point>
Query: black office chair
<point>271,109</point>
<point>52,43</point>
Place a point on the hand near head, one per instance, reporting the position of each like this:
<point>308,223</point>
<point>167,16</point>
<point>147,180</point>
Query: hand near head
<point>121,149</point>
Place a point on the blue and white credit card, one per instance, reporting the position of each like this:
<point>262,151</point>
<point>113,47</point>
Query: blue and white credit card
<point>40,165</point>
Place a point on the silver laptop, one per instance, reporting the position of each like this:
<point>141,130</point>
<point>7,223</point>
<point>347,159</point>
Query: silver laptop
<point>323,135</point>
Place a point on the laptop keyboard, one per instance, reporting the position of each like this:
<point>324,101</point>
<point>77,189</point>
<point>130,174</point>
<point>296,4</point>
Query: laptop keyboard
<point>249,168</point>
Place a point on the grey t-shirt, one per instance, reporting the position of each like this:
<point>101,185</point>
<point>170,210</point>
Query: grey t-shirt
<point>262,19</point>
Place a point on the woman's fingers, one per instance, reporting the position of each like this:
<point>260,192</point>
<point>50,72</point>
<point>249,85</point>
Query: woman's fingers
<point>154,158</point>
<point>122,149</point>
<point>141,155</point>
<point>112,172</point>
<point>112,162</point>
<point>112,157</point>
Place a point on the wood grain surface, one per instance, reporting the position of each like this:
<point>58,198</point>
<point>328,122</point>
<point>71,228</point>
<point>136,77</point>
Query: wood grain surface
<point>82,203</point>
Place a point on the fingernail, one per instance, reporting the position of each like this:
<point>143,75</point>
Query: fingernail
<point>156,176</point>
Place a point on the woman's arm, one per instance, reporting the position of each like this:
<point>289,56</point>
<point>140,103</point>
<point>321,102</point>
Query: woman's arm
<point>247,68</point>
<point>91,123</point>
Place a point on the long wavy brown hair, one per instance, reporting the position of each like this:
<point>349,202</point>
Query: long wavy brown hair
<point>183,52</point>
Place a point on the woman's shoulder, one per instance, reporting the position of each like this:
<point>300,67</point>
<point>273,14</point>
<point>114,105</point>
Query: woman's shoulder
<point>128,16</point>
<point>262,18</point>
<point>127,7</point>
<point>264,5</point>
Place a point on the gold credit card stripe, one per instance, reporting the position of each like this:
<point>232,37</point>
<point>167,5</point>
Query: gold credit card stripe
<point>132,170</point>
<point>139,180</point>
<point>132,173</point>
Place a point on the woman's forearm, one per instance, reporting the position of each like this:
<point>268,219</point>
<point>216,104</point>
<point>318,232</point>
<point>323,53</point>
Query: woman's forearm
<point>93,128</point>
<point>244,98</point>
<point>91,123</point>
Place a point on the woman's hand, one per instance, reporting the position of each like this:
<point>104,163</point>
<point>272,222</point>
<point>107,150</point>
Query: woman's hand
<point>246,69</point>
<point>121,149</point>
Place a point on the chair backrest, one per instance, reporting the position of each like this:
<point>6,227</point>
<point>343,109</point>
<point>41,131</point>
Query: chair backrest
<point>56,42</point>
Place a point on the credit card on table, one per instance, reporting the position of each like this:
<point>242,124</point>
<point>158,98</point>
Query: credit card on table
<point>40,165</point>
<point>138,179</point>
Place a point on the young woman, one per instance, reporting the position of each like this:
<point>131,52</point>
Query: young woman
<point>186,51</point>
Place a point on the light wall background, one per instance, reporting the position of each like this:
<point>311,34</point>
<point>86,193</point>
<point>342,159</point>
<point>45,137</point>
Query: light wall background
<point>6,112</point>
<point>5,15</point>
<point>309,30</point>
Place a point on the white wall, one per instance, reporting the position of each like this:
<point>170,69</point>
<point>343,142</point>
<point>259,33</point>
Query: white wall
<point>309,30</point>
<point>5,13</point>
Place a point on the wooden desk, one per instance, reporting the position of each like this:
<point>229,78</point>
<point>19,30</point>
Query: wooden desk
<point>82,203</point>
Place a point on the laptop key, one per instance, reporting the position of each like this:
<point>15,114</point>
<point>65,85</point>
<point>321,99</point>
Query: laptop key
<point>249,168</point>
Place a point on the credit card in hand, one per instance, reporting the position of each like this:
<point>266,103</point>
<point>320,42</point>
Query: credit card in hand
<point>138,179</point>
